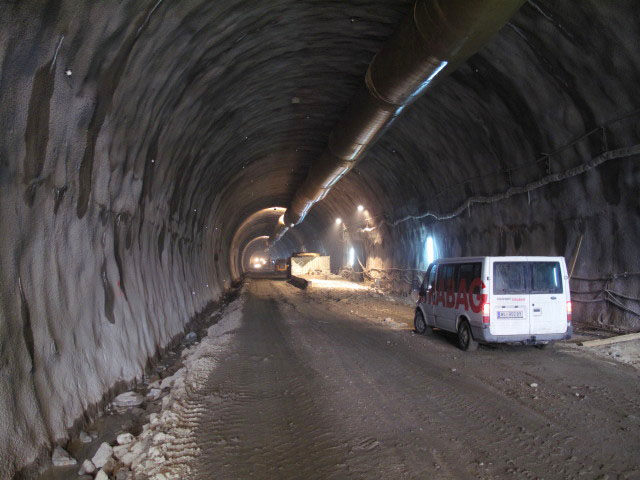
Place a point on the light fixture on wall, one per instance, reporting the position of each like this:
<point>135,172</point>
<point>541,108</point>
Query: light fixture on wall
<point>360,208</point>
<point>338,221</point>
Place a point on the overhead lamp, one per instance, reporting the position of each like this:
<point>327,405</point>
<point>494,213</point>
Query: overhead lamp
<point>361,208</point>
<point>338,221</point>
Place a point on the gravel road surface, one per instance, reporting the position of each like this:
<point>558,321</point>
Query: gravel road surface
<point>305,391</point>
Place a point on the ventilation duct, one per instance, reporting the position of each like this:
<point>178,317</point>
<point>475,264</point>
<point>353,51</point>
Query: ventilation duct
<point>429,44</point>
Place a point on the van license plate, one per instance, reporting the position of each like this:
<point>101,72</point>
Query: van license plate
<point>511,314</point>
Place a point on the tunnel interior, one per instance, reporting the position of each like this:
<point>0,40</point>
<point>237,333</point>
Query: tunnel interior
<point>148,147</point>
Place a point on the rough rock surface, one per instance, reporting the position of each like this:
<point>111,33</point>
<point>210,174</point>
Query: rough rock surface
<point>137,137</point>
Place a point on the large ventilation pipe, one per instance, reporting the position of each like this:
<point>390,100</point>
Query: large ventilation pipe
<point>429,44</point>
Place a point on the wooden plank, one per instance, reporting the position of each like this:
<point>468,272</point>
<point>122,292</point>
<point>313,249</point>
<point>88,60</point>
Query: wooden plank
<point>610,340</point>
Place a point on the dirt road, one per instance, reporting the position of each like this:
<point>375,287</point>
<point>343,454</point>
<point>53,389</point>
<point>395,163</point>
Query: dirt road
<point>305,392</point>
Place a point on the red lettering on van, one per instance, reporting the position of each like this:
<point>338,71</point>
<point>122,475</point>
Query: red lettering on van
<point>440,298</point>
<point>451,299</point>
<point>463,300</point>
<point>464,297</point>
<point>476,301</point>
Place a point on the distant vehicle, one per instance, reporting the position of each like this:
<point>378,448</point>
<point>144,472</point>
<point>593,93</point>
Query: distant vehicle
<point>496,299</point>
<point>281,265</point>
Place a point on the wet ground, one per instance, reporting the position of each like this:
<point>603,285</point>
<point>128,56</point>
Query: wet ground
<point>307,392</point>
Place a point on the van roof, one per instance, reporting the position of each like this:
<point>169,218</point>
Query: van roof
<point>514,258</point>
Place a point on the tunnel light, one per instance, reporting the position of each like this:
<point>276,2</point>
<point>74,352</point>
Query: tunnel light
<point>338,221</point>
<point>292,225</point>
<point>352,256</point>
<point>361,208</point>
<point>257,265</point>
<point>430,250</point>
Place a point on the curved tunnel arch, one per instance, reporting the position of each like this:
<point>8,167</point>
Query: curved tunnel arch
<point>139,136</point>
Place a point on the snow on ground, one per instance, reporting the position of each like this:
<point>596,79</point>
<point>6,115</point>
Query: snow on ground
<point>167,445</point>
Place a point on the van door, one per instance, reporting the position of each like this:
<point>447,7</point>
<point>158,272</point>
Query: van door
<point>428,287</point>
<point>444,307</point>
<point>548,300</point>
<point>509,298</point>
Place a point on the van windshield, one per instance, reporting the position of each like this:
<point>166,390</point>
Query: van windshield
<point>526,277</point>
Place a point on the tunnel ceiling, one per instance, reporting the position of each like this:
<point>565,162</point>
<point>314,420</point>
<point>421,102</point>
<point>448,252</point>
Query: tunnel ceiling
<point>203,112</point>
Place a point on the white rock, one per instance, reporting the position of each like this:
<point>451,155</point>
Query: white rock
<point>154,394</point>
<point>61,458</point>
<point>87,467</point>
<point>85,437</point>
<point>103,455</point>
<point>124,438</point>
<point>533,385</point>
<point>387,319</point>
<point>191,337</point>
<point>128,459</point>
<point>120,451</point>
<point>102,476</point>
<point>128,399</point>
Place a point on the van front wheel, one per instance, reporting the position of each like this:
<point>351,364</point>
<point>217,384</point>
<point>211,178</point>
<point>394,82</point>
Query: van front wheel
<point>420,324</point>
<point>465,338</point>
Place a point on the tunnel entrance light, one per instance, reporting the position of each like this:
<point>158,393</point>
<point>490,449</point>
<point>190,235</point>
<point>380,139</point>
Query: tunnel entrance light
<point>338,221</point>
<point>360,208</point>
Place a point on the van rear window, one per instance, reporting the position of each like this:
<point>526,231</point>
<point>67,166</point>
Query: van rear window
<point>509,277</point>
<point>526,277</point>
<point>545,277</point>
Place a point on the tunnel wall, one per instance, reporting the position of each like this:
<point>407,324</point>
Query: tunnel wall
<point>549,106</point>
<point>96,273</point>
<point>596,212</point>
<point>123,181</point>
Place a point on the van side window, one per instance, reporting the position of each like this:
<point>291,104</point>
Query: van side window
<point>447,277</point>
<point>468,273</point>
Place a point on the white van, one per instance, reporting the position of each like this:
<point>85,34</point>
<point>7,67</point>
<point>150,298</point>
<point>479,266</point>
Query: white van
<point>496,299</point>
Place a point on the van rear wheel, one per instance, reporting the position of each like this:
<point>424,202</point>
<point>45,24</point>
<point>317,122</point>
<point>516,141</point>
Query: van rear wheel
<point>465,338</point>
<point>421,325</point>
